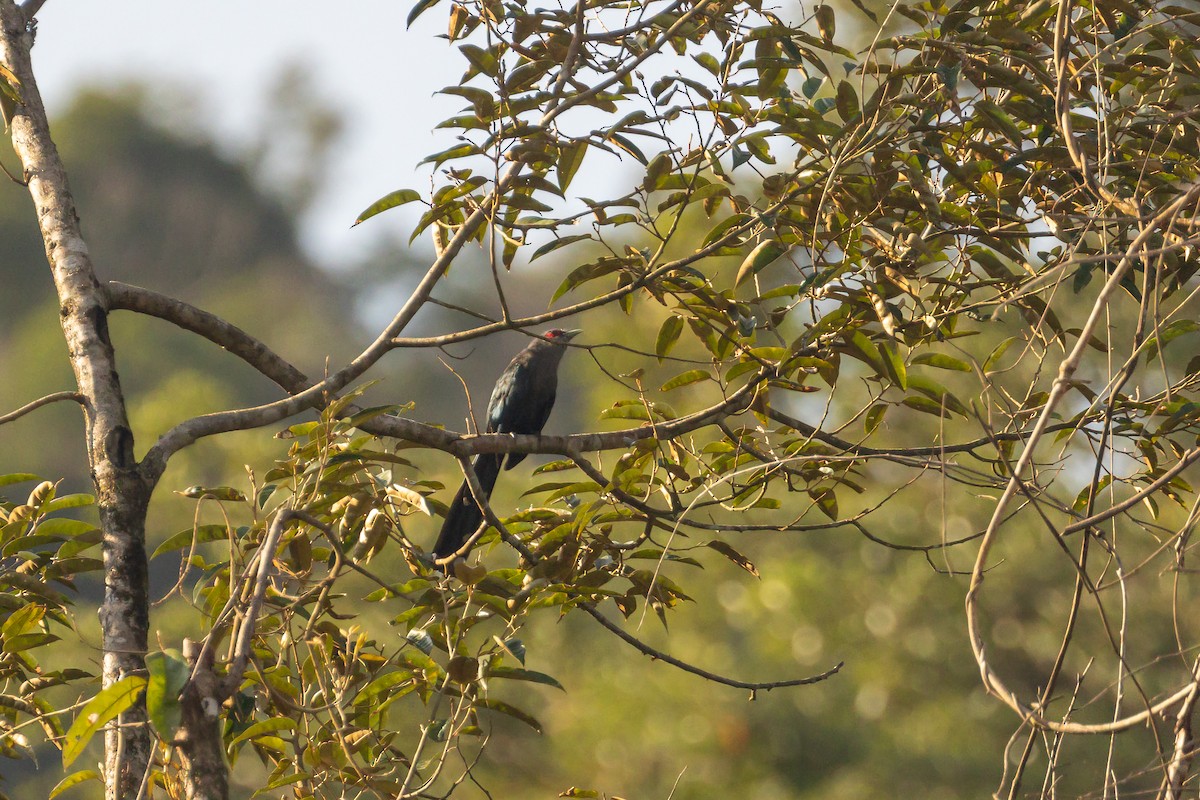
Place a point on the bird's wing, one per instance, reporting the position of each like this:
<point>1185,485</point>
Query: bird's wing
<point>510,399</point>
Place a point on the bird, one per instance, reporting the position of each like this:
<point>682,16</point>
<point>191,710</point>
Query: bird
<point>520,404</point>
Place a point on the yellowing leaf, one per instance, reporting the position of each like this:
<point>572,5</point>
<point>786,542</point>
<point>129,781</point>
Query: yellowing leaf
<point>98,712</point>
<point>826,22</point>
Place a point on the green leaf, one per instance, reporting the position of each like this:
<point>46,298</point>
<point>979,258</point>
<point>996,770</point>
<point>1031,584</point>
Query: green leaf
<point>657,170</point>
<point>74,779</point>
<point>1168,334</point>
<point>826,22</point>
<point>384,682</point>
<point>847,101</point>
<point>684,379</point>
<point>926,405</point>
<point>512,673</point>
<point>628,146</point>
<point>168,675</point>
<point>391,200</point>
<point>61,526</point>
<point>284,779</point>
<point>826,500</point>
<point>570,156</point>
<point>271,725</point>
<point>942,361</point>
<point>18,477</point>
<point>556,244</point>
<point>894,365</point>
<point>938,393</point>
<point>98,712</point>
<point>998,353</point>
<point>875,416</point>
<point>68,501</point>
<point>483,60</point>
<point>758,259</point>
<point>201,533</point>
<point>723,227</point>
<point>668,334</point>
<point>21,621</point>
<point>510,710</point>
<point>419,9</point>
<point>859,342</point>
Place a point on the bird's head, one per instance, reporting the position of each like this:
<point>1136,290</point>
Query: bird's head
<point>560,336</point>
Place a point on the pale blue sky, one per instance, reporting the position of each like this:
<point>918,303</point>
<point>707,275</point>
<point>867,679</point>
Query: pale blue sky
<point>380,77</point>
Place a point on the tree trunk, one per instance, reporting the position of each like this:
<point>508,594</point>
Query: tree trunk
<point>122,493</point>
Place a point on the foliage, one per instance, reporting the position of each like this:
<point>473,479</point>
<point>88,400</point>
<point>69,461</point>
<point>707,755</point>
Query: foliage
<point>41,554</point>
<point>953,264</point>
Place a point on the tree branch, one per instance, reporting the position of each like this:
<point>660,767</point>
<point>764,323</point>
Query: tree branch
<point>900,452</point>
<point>122,296</point>
<point>266,555</point>
<point>122,490</point>
<point>1062,383</point>
<point>187,432</point>
<point>462,446</point>
<point>753,686</point>
<point>133,298</point>
<point>42,401</point>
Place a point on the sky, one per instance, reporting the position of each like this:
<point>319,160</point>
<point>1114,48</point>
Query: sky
<point>380,77</point>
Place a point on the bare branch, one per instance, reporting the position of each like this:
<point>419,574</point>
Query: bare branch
<point>122,296</point>
<point>1184,751</point>
<point>1061,384</point>
<point>901,452</point>
<point>753,686</point>
<point>41,401</point>
<point>266,554</point>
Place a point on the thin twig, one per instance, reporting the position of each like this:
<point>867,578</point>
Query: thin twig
<point>753,686</point>
<point>41,401</point>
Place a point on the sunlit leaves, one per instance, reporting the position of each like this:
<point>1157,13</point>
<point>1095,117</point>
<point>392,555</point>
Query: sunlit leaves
<point>167,674</point>
<point>390,200</point>
<point>98,712</point>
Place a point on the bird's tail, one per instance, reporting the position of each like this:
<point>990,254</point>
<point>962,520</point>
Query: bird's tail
<point>464,516</point>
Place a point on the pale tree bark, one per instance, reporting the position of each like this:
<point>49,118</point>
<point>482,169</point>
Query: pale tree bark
<point>122,493</point>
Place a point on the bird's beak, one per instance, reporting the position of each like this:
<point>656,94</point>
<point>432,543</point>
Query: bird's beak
<point>569,335</point>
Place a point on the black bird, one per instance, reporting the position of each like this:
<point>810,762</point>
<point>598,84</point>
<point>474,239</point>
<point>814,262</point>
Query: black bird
<point>521,403</point>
